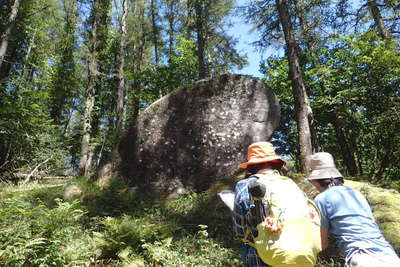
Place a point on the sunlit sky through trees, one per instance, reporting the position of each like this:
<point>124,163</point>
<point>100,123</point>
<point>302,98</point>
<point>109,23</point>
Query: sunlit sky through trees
<point>242,31</point>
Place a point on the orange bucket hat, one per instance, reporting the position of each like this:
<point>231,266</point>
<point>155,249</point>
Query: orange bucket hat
<point>261,152</point>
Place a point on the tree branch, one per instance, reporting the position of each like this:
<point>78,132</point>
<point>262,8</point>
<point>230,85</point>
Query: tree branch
<point>34,170</point>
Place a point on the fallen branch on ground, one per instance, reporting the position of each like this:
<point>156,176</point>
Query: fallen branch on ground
<point>34,170</point>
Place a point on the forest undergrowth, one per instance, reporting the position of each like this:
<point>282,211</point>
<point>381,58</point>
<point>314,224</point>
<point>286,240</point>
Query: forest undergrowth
<point>121,227</point>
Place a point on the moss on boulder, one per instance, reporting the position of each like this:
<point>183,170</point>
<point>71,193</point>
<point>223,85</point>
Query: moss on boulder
<point>385,204</point>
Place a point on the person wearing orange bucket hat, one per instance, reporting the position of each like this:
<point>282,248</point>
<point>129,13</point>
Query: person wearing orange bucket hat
<point>260,208</point>
<point>247,214</point>
<point>262,152</point>
<point>347,216</point>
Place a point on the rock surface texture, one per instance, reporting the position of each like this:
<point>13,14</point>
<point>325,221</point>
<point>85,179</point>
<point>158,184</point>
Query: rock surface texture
<point>197,134</point>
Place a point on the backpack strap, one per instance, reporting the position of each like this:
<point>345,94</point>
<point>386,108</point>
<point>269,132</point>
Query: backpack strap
<point>256,213</point>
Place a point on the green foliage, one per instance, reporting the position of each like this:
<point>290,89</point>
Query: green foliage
<point>193,250</point>
<point>194,230</point>
<point>27,135</point>
<point>354,91</point>
<point>65,80</point>
<point>276,69</point>
<point>33,234</point>
<point>361,75</point>
<point>170,235</point>
<point>127,232</point>
<point>181,70</point>
<point>114,201</point>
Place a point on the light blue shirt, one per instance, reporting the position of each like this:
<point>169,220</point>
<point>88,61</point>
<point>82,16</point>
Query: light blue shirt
<point>347,215</point>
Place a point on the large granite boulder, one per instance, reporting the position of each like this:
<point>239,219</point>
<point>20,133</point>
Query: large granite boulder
<point>198,133</point>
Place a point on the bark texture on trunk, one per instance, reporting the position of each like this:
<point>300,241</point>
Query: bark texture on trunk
<point>346,146</point>
<point>310,43</point>
<point>121,92</point>
<point>8,29</point>
<point>376,14</point>
<point>85,162</point>
<point>155,30</point>
<point>200,13</point>
<point>171,30</point>
<point>302,105</point>
<point>110,170</point>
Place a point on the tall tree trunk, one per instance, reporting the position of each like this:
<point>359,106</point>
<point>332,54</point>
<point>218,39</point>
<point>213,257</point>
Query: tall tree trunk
<point>138,55</point>
<point>110,169</point>
<point>199,10</point>
<point>155,30</point>
<point>98,36</point>
<point>310,43</point>
<point>384,159</point>
<point>8,29</point>
<point>85,162</point>
<point>302,105</point>
<point>121,92</point>
<point>376,14</point>
<point>344,144</point>
<point>26,68</point>
<point>345,147</point>
<point>6,67</point>
<point>85,159</point>
<point>171,30</point>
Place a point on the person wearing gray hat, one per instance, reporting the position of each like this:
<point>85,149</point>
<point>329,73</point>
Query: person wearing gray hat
<point>347,216</point>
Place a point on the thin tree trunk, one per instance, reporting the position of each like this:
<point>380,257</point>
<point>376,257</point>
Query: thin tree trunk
<point>26,69</point>
<point>138,56</point>
<point>302,105</point>
<point>111,168</point>
<point>200,39</point>
<point>121,93</point>
<point>346,151</point>
<point>85,163</point>
<point>171,30</point>
<point>344,145</point>
<point>6,67</point>
<point>9,27</point>
<point>155,30</point>
<point>138,53</point>
<point>309,40</point>
<point>384,162</point>
<point>376,14</point>
<point>93,73</point>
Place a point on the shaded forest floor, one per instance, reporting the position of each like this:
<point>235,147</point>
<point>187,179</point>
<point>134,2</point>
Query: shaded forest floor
<point>120,227</point>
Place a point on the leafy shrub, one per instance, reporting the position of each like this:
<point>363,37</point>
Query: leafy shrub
<point>191,250</point>
<point>116,200</point>
<point>125,232</point>
<point>40,236</point>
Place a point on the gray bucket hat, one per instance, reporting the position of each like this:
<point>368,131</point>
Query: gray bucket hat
<point>323,167</point>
